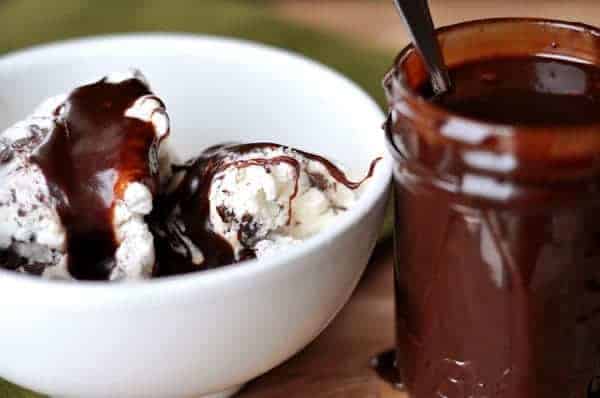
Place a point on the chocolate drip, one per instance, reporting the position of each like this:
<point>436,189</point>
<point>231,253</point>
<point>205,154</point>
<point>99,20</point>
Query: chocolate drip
<point>386,366</point>
<point>88,159</point>
<point>333,170</point>
<point>190,203</point>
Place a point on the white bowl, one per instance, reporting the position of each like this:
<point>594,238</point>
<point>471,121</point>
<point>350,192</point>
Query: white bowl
<point>204,334</point>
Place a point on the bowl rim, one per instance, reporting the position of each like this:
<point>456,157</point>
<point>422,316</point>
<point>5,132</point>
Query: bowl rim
<point>99,291</point>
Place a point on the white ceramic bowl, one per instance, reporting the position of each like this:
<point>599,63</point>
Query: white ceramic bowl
<point>204,334</point>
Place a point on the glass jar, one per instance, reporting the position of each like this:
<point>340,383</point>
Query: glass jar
<point>497,263</point>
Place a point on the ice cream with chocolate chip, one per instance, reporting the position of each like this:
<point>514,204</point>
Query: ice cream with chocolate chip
<point>236,202</point>
<point>88,191</point>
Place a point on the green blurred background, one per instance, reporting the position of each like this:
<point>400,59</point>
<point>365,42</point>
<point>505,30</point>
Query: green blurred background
<point>27,22</point>
<point>285,24</point>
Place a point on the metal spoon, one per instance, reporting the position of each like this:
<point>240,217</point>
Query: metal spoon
<point>417,18</point>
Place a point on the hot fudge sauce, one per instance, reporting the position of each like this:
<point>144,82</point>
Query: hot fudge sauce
<point>88,159</point>
<point>498,220</point>
<point>532,91</point>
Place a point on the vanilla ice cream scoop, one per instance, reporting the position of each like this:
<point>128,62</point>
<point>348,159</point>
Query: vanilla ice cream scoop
<point>77,178</point>
<point>236,202</point>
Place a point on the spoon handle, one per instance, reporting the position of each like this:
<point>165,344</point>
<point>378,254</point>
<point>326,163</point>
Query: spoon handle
<point>418,19</point>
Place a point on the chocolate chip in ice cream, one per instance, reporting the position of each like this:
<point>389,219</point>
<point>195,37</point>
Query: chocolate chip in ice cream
<point>10,260</point>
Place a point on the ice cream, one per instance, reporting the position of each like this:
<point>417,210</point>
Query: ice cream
<point>77,178</point>
<point>89,191</point>
<point>235,202</point>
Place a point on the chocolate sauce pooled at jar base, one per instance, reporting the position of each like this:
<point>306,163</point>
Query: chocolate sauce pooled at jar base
<point>87,161</point>
<point>524,90</point>
<point>497,278</point>
<point>191,199</point>
<point>387,369</point>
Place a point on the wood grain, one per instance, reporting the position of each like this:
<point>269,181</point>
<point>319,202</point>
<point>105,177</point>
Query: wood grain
<point>337,363</point>
<point>375,23</point>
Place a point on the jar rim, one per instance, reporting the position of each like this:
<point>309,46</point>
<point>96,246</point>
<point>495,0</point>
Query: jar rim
<point>561,144</point>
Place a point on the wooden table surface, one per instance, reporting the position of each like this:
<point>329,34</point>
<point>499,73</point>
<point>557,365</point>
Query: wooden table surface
<point>336,364</point>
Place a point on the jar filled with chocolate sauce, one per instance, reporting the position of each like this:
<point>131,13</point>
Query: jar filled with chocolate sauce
<point>497,190</point>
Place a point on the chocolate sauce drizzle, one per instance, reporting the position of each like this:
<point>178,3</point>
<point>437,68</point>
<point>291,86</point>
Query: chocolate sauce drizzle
<point>190,204</point>
<point>88,159</point>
